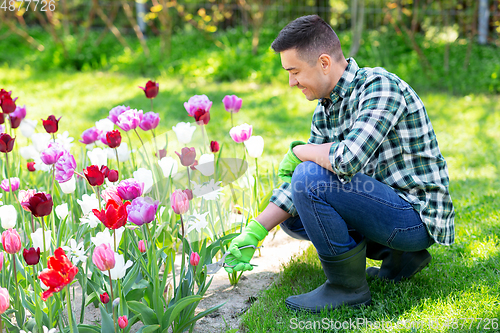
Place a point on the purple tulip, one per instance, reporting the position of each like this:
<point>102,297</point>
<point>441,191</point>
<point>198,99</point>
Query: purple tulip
<point>149,121</point>
<point>52,153</point>
<point>130,189</point>
<point>65,167</point>
<point>232,103</point>
<point>20,112</point>
<point>116,112</point>
<point>142,210</point>
<point>90,135</point>
<point>14,184</point>
<point>197,103</point>
<point>129,119</point>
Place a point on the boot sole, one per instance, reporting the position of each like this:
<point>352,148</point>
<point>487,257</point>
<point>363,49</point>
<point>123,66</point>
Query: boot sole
<point>294,307</point>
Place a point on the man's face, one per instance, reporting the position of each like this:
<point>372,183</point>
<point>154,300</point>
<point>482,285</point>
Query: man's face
<point>311,80</point>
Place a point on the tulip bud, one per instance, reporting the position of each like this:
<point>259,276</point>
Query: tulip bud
<point>51,124</point>
<point>232,103</point>
<point>94,176</point>
<point>114,138</point>
<point>15,121</point>
<point>122,321</point>
<point>116,302</point>
<point>31,166</point>
<point>104,298</point>
<point>142,246</point>
<point>31,256</point>
<point>194,258</point>
<point>4,300</point>
<point>151,89</point>
<point>8,104</point>
<point>6,143</point>
<point>214,146</point>
<point>113,176</point>
<point>189,194</point>
<point>187,156</point>
<point>179,202</point>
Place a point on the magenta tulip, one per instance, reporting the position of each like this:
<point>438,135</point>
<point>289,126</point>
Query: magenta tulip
<point>142,210</point>
<point>149,121</point>
<point>14,184</point>
<point>232,103</point>
<point>129,119</point>
<point>129,189</point>
<point>90,135</point>
<point>115,112</point>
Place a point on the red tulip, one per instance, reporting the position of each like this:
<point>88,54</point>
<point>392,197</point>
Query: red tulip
<point>104,170</point>
<point>114,138</point>
<point>8,104</point>
<point>31,166</point>
<point>114,215</point>
<point>94,176</point>
<point>6,143</point>
<point>104,298</point>
<point>39,204</point>
<point>31,256</point>
<point>214,146</point>
<point>151,89</point>
<point>113,175</point>
<point>3,94</point>
<point>15,121</point>
<point>60,272</point>
<point>51,124</point>
<point>202,117</point>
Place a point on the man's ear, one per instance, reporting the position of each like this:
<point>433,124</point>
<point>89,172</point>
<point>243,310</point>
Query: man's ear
<point>325,61</point>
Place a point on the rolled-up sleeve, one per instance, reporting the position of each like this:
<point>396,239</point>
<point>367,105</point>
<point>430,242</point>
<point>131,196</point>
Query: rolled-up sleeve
<point>282,197</point>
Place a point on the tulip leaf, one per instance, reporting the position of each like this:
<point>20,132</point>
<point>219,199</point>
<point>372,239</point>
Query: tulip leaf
<point>87,329</point>
<point>107,324</point>
<point>198,317</point>
<point>149,317</point>
<point>130,278</point>
<point>149,329</point>
<point>90,298</point>
<point>174,310</point>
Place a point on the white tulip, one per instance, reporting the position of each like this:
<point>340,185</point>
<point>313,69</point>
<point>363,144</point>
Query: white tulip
<point>206,164</point>
<point>88,203</point>
<point>98,157</point>
<point>123,152</point>
<point>104,237</point>
<point>169,166</point>
<point>104,125</point>
<point>255,146</point>
<point>120,269</point>
<point>27,127</point>
<point>65,140</point>
<point>91,220</point>
<point>8,216</point>
<point>29,152</point>
<point>69,186</point>
<point>37,239</point>
<point>40,141</point>
<point>184,132</point>
<point>62,211</point>
<point>146,177</point>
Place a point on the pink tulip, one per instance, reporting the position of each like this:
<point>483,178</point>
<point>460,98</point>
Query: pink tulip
<point>104,257</point>
<point>179,202</point>
<point>129,189</point>
<point>197,103</point>
<point>142,246</point>
<point>241,133</point>
<point>24,198</point>
<point>117,111</point>
<point>194,258</point>
<point>129,119</point>
<point>65,167</point>
<point>14,184</point>
<point>122,321</point>
<point>232,103</point>
<point>1,260</point>
<point>52,153</point>
<point>111,192</point>
<point>90,135</point>
<point>150,121</point>
<point>11,241</point>
<point>4,300</point>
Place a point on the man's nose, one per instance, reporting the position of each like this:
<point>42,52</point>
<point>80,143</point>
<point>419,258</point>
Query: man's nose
<point>291,80</point>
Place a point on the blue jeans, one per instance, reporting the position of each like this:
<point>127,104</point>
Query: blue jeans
<point>328,210</point>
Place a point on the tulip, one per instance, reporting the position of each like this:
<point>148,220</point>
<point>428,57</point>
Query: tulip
<point>161,153</point>
<point>4,300</point>
<point>14,184</point>
<point>179,202</point>
<point>142,210</point>
<point>62,211</point>
<point>142,246</point>
<point>129,119</point>
<point>4,94</point>
<point>11,241</point>
<point>40,204</point>
<point>38,236</point>
<point>151,89</point>
<point>187,156</point>
<point>104,170</point>
<point>197,102</point>
<point>123,321</point>
<point>189,193</point>
<point>130,189</point>
<point>1,260</point>
<point>15,122</point>
<point>104,298</point>
<point>51,124</point>
<point>232,103</point>
<point>94,176</point>
<point>184,132</point>
<point>169,166</point>
<point>255,146</point>
<point>120,267</point>
<point>194,259</point>
<point>149,121</point>
<point>144,176</point>
<point>31,166</point>
<point>88,203</point>
<point>31,256</point>
<point>20,112</point>
<point>111,193</point>
<point>64,169</point>
<point>104,257</point>
<point>6,143</point>
<point>113,175</point>
<point>27,127</point>
<point>8,104</point>
<point>60,272</point>
<point>202,117</point>
<point>241,133</point>
<point>114,215</point>
<point>52,153</point>
<point>113,138</point>
<point>8,216</point>
<point>69,186</point>
<point>90,136</point>
<point>98,157</point>
<point>214,146</point>
<point>24,198</point>
<point>206,165</point>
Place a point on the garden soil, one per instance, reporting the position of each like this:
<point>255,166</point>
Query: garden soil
<point>275,252</point>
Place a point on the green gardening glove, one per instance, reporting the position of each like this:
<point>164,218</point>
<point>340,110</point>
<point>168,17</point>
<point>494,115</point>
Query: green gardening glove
<point>252,234</point>
<point>289,163</point>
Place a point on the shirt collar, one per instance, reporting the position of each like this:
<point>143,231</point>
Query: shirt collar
<point>345,80</point>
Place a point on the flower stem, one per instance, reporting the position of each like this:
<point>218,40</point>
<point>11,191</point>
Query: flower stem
<point>182,226</point>
<point>117,162</point>
<point>154,140</point>
<point>114,236</point>
<point>32,225</point>
<point>70,312</point>
<point>15,275</point>
<point>149,162</point>
<point>112,297</point>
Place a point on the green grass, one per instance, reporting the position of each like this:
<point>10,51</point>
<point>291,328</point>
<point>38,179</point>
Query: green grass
<point>463,280</point>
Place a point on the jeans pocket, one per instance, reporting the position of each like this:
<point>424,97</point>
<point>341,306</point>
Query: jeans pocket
<point>409,239</point>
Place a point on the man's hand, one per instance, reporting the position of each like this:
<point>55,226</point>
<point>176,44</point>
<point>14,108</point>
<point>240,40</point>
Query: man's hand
<point>252,234</point>
<point>289,163</point>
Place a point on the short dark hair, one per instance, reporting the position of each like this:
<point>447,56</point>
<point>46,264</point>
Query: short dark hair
<point>311,37</point>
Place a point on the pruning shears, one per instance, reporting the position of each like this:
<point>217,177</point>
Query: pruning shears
<point>216,266</point>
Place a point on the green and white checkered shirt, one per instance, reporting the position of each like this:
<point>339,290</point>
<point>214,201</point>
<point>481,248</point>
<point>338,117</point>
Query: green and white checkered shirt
<point>379,127</point>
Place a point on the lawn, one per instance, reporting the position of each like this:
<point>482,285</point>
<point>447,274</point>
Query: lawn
<point>459,288</point>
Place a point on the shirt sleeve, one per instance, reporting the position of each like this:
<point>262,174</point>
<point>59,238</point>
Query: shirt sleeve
<point>318,126</point>
<point>381,105</point>
<point>282,197</point>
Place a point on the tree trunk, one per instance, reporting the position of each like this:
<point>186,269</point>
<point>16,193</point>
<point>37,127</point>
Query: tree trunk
<point>357,22</point>
<point>483,18</point>
<point>138,32</point>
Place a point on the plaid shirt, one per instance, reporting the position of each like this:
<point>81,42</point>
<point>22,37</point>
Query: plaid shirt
<point>379,127</point>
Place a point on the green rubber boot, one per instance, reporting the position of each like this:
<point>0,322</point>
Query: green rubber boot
<point>346,283</point>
